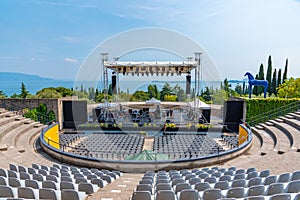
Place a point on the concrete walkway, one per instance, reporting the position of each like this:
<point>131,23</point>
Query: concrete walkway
<point>120,189</point>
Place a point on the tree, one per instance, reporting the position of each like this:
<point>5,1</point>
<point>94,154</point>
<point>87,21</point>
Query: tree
<point>110,90</point>
<point>15,96</point>
<point>274,83</point>
<point>151,91</point>
<point>170,97</point>
<point>205,95</point>
<point>24,92</point>
<point>96,93</point>
<point>290,88</point>
<point>238,89</point>
<point>226,85</point>
<point>40,113</point>
<point>2,94</point>
<point>269,74</point>
<point>261,76</point>
<point>166,90</point>
<point>102,97</point>
<point>247,89</point>
<point>285,71</point>
<point>139,96</point>
<point>179,93</point>
<point>91,93</point>
<point>124,96</point>
<point>156,92</point>
<point>80,95</point>
<point>65,92</point>
<point>279,78</point>
<point>48,93</point>
<point>218,96</point>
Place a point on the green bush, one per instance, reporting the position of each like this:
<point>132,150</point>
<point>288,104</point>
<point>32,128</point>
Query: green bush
<point>40,114</point>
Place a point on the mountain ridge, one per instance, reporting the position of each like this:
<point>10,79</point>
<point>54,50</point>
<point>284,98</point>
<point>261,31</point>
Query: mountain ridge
<point>16,76</point>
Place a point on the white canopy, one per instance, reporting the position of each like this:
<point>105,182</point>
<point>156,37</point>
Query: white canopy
<point>153,101</point>
<point>108,105</point>
<point>198,104</point>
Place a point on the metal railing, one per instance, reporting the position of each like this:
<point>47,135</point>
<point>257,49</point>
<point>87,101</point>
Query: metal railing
<point>272,114</point>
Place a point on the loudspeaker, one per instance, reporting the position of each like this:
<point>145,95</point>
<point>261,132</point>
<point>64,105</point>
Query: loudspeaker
<point>188,84</point>
<point>114,84</point>
<point>74,113</point>
<point>206,114</point>
<point>233,114</point>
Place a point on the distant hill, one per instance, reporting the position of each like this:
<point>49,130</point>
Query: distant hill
<point>10,83</point>
<point>12,76</point>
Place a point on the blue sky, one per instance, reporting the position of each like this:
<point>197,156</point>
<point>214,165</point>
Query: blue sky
<point>51,38</point>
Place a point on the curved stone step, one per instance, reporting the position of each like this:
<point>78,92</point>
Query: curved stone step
<point>23,141</point>
<point>295,116</point>
<point>24,152</point>
<point>294,133</point>
<point>256,145</point>
<point>255,132</point>
<point>9,138</point>
<point>287,133</point>
<point>293,122</point>
<point>282,144</point>
<point>268,142</point>
<point>6,120</point>
<point>3,113</point>
<point>4,129</point>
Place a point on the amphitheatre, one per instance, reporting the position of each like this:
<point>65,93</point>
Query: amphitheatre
<point>149,150</point>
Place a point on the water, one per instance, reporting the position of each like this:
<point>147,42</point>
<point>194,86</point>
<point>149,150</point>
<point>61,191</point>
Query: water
<point>11,87</point>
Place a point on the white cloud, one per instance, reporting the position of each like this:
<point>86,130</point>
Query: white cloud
<point>72,60</point>
<point>69,39</point>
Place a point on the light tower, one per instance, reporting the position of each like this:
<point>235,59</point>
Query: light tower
<point>105,74</point>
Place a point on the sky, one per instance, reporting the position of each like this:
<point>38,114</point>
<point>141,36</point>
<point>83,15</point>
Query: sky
<point>52,38</point>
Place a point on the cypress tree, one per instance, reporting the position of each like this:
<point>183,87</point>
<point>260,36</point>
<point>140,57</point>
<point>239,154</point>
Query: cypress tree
<point>24,91</point>
<point>244,84</point>
<point>285,71</point>
<point>279,78</point>
<point>269,74</point>
<point>274,83</point>
<point>261,76</point>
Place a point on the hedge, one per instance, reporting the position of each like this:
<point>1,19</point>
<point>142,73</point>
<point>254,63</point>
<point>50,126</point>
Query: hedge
<point>257,107</point>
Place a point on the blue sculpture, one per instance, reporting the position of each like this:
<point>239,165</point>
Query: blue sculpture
<point>256,82</point>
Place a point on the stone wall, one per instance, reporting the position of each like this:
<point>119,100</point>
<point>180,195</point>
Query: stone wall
<point>52,104</point>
